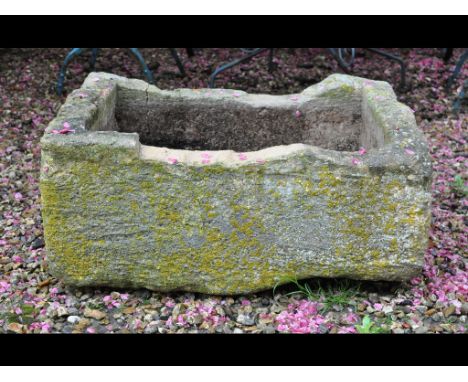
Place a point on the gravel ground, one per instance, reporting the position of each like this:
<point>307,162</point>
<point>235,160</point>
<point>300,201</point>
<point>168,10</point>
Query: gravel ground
<point>31,301</point>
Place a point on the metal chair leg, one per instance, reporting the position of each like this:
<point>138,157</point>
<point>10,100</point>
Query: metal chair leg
<point>176,58</point>
<point>395,58</point>
<point>271,64</point>
<point>340,55</point>
<point>460,98</point>
<point>141,60</point>
<point>457,70</point>
<point>93,58</point>
<point>224,67</point>
<point>74,52</point>
<point>448,52</point>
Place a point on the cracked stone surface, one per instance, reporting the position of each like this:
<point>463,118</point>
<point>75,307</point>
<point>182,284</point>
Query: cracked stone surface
<point>224,192</point>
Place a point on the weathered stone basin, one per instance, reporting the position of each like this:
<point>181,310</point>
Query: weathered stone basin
<point>224,192</point>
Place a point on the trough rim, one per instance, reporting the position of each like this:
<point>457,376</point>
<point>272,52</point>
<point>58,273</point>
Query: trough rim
<point>404,150</point>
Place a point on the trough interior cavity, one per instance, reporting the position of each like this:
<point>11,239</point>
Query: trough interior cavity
<point>204,124</point>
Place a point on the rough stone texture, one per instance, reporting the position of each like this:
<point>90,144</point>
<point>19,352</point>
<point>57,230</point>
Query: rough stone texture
<point>121,214</point>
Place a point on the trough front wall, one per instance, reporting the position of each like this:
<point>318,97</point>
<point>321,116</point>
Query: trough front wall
<point>113,219</point>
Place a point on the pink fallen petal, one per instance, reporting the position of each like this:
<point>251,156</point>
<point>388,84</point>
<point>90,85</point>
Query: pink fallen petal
<point>282,328</point>
<point>352,318</point>
<point>347,330</point>
<point>362,151</point>
<point>4,286</point>
<point>37,121</point>
<point>355,161</point>
<point>172,160</point>
<point>17,259</point>
<point>65,130</point>
<point>378,306</point>
<point>66,125</point>
<point>415,280</point>
<point>180,320</point>
<point>236,94</point>
<point>242,156</point>
<point>18,196</point>
<point>298,113</point>
<point>205,161</point>
<point>91,330</point>
<point>409,152</point>
<point>261,161</point>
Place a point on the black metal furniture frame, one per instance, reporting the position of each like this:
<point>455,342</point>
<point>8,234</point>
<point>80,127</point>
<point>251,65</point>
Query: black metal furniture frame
<point>250,52</point>
<point>343,56</point>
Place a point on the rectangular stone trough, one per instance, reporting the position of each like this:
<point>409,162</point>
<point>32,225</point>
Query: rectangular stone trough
<point>224,192</point>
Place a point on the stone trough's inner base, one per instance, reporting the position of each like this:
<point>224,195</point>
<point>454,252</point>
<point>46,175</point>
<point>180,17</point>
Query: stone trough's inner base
<point>201,124</point>
<point>224,192</point>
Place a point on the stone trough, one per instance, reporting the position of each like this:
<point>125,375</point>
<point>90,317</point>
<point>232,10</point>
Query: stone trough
<point>224,192</point>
